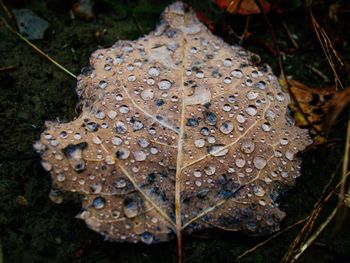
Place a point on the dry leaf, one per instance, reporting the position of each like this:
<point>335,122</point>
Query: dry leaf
<point>337,105</point>
<point>179,132</point>
<point>243,7</point>
<point>310,106</point>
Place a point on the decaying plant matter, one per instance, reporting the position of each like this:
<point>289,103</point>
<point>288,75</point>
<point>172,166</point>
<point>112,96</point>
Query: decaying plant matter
<point>179,132</point>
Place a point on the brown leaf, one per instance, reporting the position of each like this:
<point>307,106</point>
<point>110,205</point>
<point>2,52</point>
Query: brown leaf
<point>179,132</point>
<point>337,105</point>
<point>243,7</point>
<point>310,105</point>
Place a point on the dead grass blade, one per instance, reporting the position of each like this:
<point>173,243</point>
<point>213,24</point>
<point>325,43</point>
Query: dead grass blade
<point>270,238</point>
<point>327,46</point>
<point>36,48</point>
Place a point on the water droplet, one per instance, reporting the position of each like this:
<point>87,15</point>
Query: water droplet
<point>112,114</point>
<point>46,165</point>
<point>270,115</point>
<point>119,97</point>
<point>164,84</point>
<point>131,78</point>
<point>120,182</point>
<point>115,213</point>
<point>251,110</point>
<point>227,80</point>
<point>247,146</point>
<point>209,170</point>
<point>147,94</point>
<point>240,162</point>
<point>199,143</point>
<point>260,85</point>
<point>124,109</point>
<point>284,141</point>
<point>205,131</point>
<point>231,99</point>
<point>237,73</point>
<point>266,126</point>
<point>240,118</point>
<point>96,188</point>
<point>200,74</point>
<point>140,156</point>
<point>143,142</point>
<point>217,150</point>
<point>147,238</point>
<point>99,202</point>
<point>227,62</point>
<point>137,125</point>
<point>289,155</point>
<point>122,154</point>
<point>252,95</point>
<point>280,96</point>
<point>120,127</point>
<point>130,208</point>
<point>154,72</point>
<point>197,173</point>
<point>102,84</point>
<point>210,117</point>
<point>258,190</point>
<point>226,107</point>
<point>226,127</point>
<point>116,140</point>
<point>107,67</point>
<point>259,162</point>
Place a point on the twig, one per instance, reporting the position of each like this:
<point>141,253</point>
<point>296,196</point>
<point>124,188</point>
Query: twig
<point>269,239</point>
<point>6,10</point>
<point>314,236</point>
<point>319,73</point>
<point>36,48</point>
<point>294,42</point>
<point>344,169</point>
<point>7,68</point>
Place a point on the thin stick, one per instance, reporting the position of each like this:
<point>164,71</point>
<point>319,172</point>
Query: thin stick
<point>37,49</point>
<point>269,239</point>
<point>7,68</point>
<point>344,168</point>
<point>7,11</point>
<point>315,235</point>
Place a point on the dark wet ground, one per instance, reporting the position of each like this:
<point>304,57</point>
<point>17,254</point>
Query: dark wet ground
<point>34,229</point>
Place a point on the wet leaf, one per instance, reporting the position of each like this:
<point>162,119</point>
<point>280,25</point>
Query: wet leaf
<point>179,132</point>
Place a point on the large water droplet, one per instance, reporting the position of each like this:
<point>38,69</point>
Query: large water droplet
<point>251,110</point>
<point>237,73</point>
<point>217,150</point>
<point>154,72</point>
<point>259,162</point>
<point>140,156</point>
<point>147,238</point>
<point>120,182</point>
<point>147,94</point>
<point>130,208</point>
<point>247,146</point>
<point>210,170</point>
<point>99,202</point>
<point>164,84</point>
<point>226,127</point>
<point>240,162</point>
<point>258,190</point>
